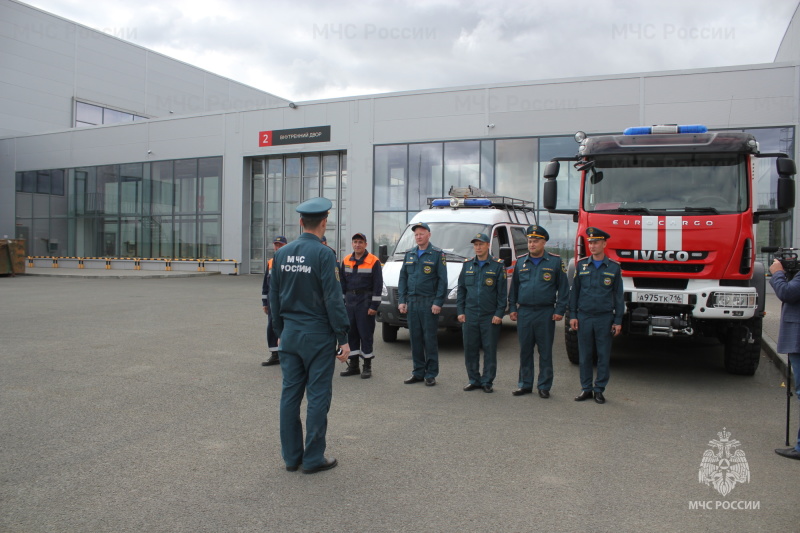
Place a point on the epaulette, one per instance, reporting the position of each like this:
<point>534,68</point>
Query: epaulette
<point>498,260</point>
<point>467,260</point>
<point>552,254</point>
<point>435,249</point>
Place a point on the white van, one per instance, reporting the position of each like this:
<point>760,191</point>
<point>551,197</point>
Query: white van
<point>454,221</point>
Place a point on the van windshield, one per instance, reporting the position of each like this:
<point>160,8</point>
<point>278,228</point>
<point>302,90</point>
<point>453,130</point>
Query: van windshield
<point>452,237</point>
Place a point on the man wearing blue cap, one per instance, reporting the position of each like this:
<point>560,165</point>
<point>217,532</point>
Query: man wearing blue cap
<point>596,306</point>
<point>310,320</point>
<point>481,304</point>
<point>421,291</point>
<point>537,300</point>
<point>362,283</point>
<point>272,339</point>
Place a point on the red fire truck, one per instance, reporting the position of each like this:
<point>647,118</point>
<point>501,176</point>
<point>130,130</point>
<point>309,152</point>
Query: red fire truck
<point>679,204</point>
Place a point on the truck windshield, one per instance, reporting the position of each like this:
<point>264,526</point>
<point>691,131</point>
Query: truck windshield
<point>683,183</point>
<point>452,237</point>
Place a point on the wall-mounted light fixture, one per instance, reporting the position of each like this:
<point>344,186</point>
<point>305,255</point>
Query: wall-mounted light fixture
<point>292,105</point>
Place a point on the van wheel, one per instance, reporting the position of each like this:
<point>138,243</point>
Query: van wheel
<point>389,332</point>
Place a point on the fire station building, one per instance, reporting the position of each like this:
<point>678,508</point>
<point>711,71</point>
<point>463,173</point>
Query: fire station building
<point>110,149</point>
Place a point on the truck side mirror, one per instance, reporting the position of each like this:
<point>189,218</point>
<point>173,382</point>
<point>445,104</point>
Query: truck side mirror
<point>551,170</point>
<point>506,255</point>
<point>550,193</point>
<point>383,253</point>
<point>786,192</point>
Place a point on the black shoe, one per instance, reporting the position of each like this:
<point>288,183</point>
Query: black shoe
<point>791,453</point>
<point>488,388</point>
<point>327,465</point>
<point>292,468</point>
<point>366,372</point>
<point>430,382</point>
<point>352,367</point>
<point>584,395</point>
<point>471,386</point>
<point>520,392</point>
<point>544,393</point>
<point>599,398</point>
<point>273,360</point>
<point>413,379</point>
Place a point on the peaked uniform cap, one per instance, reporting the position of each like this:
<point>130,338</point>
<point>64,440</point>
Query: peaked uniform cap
<point>315,207</point>
<point>595,234</point>
<point>537,232</point>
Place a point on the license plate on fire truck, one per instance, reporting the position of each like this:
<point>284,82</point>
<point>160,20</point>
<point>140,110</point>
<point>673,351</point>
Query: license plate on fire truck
<point>660,297</point>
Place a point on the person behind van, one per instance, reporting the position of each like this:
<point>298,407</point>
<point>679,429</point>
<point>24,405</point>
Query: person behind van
<point>481,304</point>
<point>538,299</point>
<point>422,288</point>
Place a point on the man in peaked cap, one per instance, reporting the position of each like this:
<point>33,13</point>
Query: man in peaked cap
<point>481,304</point>
<point>596,306</point>
<point>537,300</point>
<point>272,339</point>
<point>362,283</point>
<point>311,321</point>
<point>421,289</point>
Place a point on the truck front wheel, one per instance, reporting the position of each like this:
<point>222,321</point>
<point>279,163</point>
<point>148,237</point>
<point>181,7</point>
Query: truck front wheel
<point>389,332</point>
<point>741,356</point>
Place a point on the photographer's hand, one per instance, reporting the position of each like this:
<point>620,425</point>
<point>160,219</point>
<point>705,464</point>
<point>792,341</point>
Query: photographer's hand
<point>775,266</point>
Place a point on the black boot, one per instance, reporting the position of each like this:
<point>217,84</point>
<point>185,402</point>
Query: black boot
<point>352,367</point>
<point>367,372</point>
<point>273,359</point>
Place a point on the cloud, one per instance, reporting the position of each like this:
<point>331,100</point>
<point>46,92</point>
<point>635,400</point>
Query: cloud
<point>312,49</point>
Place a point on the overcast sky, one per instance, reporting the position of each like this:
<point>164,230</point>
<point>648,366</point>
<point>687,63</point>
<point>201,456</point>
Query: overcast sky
<point>314,49</point>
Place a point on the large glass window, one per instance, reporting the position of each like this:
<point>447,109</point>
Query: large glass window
<point>391,163</point>
<point>516,168</point>
<point>569,179</point>
<point>123,210</point>
<point>461,164</point>
<point>424,174</point>
<point>288,180</point>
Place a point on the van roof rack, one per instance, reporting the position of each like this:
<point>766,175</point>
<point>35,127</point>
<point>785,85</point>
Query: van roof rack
<point>514,207</point>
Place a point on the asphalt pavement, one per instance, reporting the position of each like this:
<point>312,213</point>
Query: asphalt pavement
<point>139,404</point>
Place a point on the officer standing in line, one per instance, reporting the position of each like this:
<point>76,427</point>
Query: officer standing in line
<point>596,307</point>
<point>362,283</point>
<point>421,291</point>
<point>481,304</point>
<point>272,339</point>
<point>310,320</point>
<point>538,299</point>
<point>788,292</point>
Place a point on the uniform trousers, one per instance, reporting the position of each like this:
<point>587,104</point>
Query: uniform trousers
<point>535,327</point>
<point>307,362</point>
<point>423,327</point>
<point>479,333</point>
<point>594,338</point>
<point>272,338</point>
<point>362,325</point>
<point>794,360</point>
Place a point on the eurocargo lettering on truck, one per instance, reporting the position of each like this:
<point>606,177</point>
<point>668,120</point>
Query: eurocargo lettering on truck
<point>679,204</point>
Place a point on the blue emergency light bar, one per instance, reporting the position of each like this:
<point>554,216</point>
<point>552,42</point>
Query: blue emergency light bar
<point>671,128</point>
<point>466,202</point>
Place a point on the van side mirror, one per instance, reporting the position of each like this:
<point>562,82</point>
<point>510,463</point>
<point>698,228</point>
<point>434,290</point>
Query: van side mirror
<point>383,253</point>
<point>506,255</point>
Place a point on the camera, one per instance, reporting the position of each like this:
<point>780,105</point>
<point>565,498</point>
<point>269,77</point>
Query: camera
<point>787,257</point>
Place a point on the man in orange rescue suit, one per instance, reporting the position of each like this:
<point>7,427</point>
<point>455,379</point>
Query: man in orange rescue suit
<point>362,283</point>
<point>272,339</point>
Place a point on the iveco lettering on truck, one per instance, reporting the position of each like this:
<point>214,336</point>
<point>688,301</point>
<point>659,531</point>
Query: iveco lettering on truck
<point>680,205</point>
